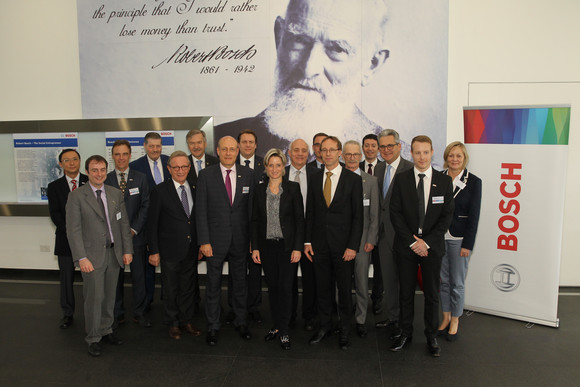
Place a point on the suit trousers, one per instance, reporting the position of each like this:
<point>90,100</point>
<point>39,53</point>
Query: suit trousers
<point>430,269</point>
<point>67,277</point>
<point>390,278</point>
<point>378,288</point>
<point>239,289</point>
<point>279,273</point>
<point>149,283</point>
<point>453,272</point>
<point>254,274</point>
<point>99,290</point>
<point>309,306</point>
<point>179,282</point>
<point>361,285</point>
<point>138,285</point>
<point>329,266</point>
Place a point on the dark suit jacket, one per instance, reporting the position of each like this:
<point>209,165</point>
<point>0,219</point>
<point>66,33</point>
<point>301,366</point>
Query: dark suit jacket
<point>136,202</point>
<point>259,168</point>
<point>386,229</point>
<point>219,223</point>
<point>57,193</point>
<point>291,215</point>
<point>172,233</point>
<point>339,226</point>
<point>142,165</point>
<point>405,215</point>
<point>313,164</point>
<point>467,208</point>
<point>209,161</point>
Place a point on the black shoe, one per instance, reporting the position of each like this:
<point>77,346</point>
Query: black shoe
<point>317,338</point>
<point>361,330</point>
<point>387,324</point>
<point>343,342</point>
<point>271,335</point>
<point>142,321</point>
<point>111,339</point>
<point>256,316</point>
<point>230,317</point>
<point>309,324</point>
<point>396,334</point>
<point>212,337</point>
<point>442,332</point>
<point>452,338</point>
<point>401,343</point>
<point>244,332</point>
<point>95,349</point>
<point>66,322</point>
<point>433,347</point>
<point>377,307</point>
<point>118,321</point>
<point>285,342</point>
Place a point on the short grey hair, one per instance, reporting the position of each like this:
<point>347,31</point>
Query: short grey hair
<point>353,142</point>
<point>390,132</point>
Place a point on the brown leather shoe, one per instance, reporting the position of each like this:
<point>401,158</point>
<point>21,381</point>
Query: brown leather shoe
<point>175,333</point>
<point>191,330</point>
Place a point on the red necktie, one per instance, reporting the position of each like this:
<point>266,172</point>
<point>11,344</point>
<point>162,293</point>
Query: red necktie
<point>74,183</point>
<point>229,186</point>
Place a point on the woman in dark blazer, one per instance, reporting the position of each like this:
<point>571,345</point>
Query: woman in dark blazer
<point>460,237</point>
<point>278,239</point>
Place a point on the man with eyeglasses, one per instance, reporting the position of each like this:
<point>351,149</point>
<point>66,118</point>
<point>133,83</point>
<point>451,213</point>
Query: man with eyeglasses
<point>394,164</point>
<point>316,140</point>
<point>352,157</point>
<point>334,226</point>
<point>57,193</point>
<point>173,245</point>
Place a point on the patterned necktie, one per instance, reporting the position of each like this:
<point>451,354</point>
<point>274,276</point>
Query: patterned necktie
<point>102,206</point>
<point>229,186</point>
<point>184,201</point>
<point>387,181</point>
<point>247,163</point>
<point>421,199</point>
<point>370,169</point>
<point>123,183</point>
<point>156,173</point>
<point>297,177</point>
<point>74,184</point>
<point>327,189</point>
<point>199,167</point>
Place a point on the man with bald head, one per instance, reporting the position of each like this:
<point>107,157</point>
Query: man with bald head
<point>300,172</point>
<point>224,195</point>
<point>326,50</point>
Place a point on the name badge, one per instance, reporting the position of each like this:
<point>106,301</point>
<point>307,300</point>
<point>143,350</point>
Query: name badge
<point>245,190</point>
<point>366,202</point>
<point>133,191</point>
<point>437,200</point>
<point>118,216</point>
<point>460,184</point>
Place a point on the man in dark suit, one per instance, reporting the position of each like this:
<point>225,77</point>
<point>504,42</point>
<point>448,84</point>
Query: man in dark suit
<point>133,184</point>
<point>318,162</point>
<point>334,225</point>
<point>173,244</point>
<point>421,212</point>
<point>154,166</point>
<point>299,172</point>
<point>100,239</point>
<point>224,197</point>
<point>386,172</point>
<point>57,193</point>
<point>197,142</point>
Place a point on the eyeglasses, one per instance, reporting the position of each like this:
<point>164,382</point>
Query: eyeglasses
<point>182,167</point>
<point>351,154</point>
<point>69,160</point>
<point>328,150</point>
<point>389,146</point>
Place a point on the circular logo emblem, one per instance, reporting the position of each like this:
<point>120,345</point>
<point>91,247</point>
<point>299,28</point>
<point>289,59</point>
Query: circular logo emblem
<point>505,278</point>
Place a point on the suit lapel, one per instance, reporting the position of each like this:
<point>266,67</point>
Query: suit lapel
<point>92,202</point>
<point>239,188</point>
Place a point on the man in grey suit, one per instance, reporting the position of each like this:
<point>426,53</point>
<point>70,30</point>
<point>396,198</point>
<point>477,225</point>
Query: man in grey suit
<point>224,195</point>
<point>394,164</point>
<point>133,184</point>
<point>99,235</point>
<point>352,157</point>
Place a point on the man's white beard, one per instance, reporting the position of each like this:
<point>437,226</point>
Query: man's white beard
<point>299,113</point>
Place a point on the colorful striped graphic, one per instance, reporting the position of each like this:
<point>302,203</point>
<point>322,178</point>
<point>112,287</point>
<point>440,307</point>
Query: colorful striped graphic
<point>541,125</point>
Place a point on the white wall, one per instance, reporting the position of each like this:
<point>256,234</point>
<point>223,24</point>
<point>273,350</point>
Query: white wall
<point>513,52</point>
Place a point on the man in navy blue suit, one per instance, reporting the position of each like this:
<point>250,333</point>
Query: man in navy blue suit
<point>135,190</point>
<point>223,202</point>
<point>154,166</point>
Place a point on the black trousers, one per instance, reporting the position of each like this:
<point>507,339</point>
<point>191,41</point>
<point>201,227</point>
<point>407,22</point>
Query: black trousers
<point>309,305</point>
<point>254,280</point>
<point>138,266</point>
<point>179,282</point>
<point>329,266</point>
<point>279,273</point>
<point>430,269</point>
<point>67,277</point>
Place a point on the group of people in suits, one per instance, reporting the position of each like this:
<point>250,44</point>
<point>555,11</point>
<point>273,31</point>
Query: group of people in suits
<point>329,217</point>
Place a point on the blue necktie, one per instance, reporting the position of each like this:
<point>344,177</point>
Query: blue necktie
<point>387,181</point>
<point>199,167</point>
<point>156,173</point>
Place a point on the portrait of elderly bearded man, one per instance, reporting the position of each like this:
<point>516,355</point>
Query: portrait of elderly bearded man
<point>327,50</point>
